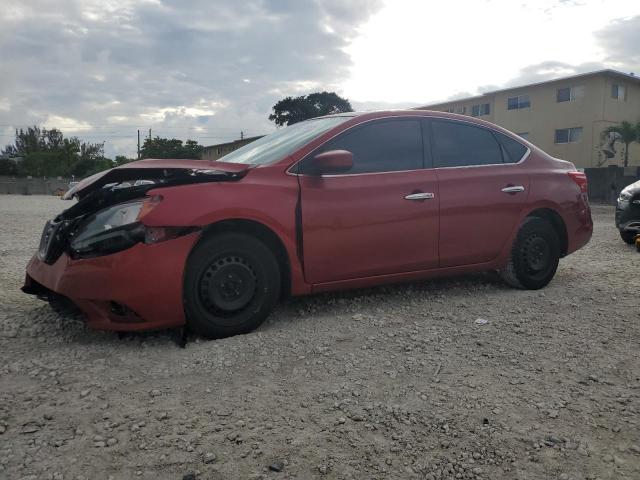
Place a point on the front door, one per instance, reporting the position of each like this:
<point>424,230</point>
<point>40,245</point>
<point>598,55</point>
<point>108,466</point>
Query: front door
<point>379,218</point>
<point>483,189</point>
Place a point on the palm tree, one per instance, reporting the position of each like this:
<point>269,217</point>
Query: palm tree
<point>627,134</point>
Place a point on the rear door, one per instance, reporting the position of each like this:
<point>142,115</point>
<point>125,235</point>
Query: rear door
<point>483,189</point>
<point>379,218</point>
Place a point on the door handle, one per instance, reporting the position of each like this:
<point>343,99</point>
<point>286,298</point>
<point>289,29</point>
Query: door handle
<point>513,189</point>
<point>420,196</point>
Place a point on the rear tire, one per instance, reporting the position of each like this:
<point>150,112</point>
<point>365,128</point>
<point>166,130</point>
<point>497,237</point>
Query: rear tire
<point>534,257</point>
<point>232,282</point>
<point>627,237</point>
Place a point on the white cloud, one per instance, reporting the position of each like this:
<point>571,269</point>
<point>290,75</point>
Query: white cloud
<point>66,123</point>
<point>107,68</point>
<point>422,51</point>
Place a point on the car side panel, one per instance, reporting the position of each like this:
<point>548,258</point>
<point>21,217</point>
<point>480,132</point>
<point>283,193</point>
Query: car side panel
<point>362,225</point>
<point>476,217</point>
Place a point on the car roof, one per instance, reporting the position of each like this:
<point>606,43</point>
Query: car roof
<point>369,115</point>
<point>359,117</point>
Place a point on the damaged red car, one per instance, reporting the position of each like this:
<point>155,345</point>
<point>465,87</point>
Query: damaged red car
<point>342,201</point>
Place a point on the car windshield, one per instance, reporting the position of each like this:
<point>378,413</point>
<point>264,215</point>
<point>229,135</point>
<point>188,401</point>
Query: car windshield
<point>283,142</point>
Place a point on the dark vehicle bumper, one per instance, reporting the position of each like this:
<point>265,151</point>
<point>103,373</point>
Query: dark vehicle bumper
<point>137,289</point>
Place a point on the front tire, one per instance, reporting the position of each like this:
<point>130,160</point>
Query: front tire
<point>534,257</point>
<point>628,237</point>
<point>232,283</point>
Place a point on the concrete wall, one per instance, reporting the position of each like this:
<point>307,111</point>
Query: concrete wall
<point>32,186</point>
<point>606,183</point>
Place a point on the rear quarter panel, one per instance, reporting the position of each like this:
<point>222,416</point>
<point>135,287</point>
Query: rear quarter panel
<point>552,188</point>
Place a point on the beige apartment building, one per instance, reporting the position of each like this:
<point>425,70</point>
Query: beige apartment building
<point>214,152</point>
<point>564,117</point>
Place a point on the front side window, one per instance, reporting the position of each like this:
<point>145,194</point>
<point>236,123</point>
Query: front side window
<point>568,135</point>
<point>283,142</point>
<point>518,102</point>
<point>379,146</point>
<point>458,144</point>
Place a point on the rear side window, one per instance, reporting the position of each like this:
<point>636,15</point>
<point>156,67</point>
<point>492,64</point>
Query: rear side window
<point>381,146</point>
<point>513,150</point>
<point>458,144</point>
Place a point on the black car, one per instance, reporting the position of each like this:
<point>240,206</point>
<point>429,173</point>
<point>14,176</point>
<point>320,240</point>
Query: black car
<point>628,212</point>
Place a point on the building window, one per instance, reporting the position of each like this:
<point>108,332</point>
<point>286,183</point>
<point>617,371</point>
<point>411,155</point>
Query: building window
<point>563,94</point>
<point>618,91</point>
<point>479,110</point>
<point>524,135</point>
<point>568,135</point>
<point>516,103</point>
<point>457,109</point>
<point>568,94</point>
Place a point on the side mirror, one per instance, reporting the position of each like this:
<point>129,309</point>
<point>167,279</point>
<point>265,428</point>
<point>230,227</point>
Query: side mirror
<point>333,162</point>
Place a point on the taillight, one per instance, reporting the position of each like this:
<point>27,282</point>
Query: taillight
<point>580,179</point>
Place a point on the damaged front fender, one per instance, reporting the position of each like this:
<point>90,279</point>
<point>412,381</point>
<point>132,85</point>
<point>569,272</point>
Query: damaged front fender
<point>127,183</point>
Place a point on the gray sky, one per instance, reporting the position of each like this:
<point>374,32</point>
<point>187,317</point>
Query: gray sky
<point>207,69</point>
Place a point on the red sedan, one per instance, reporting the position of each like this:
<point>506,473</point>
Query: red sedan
<point>337,202</point>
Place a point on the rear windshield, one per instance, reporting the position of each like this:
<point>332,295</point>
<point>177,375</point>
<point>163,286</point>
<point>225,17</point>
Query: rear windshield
<point>277,145</point>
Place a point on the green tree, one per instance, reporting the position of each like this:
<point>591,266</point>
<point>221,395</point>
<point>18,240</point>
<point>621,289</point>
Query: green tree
<point>121,160</point>
<point>8,167</point>
<point>47,153</point>
<point>170,148</point>
<point>293,110</point>
<point>627,134</point>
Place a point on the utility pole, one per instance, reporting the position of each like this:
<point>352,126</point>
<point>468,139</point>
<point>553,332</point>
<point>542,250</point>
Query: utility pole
<point>138,144</point>
<point>149,134</point>
<point>241,135</point>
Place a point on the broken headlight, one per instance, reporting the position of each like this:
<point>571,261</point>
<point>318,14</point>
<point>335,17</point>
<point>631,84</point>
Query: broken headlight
<point>113,229</point>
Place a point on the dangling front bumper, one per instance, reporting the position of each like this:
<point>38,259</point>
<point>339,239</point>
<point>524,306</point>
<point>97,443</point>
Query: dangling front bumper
<point>136,289</point>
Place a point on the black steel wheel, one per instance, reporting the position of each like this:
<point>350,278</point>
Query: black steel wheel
<point>535,255</point>
<point>232,282</point>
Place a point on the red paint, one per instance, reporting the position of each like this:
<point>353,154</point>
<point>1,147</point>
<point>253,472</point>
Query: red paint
<point>356,230</point>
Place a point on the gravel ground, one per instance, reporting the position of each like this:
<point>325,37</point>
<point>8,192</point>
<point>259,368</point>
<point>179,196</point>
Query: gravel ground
<point>394,382</point>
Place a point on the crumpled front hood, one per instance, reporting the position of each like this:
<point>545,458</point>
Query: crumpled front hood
<point>168,172</point>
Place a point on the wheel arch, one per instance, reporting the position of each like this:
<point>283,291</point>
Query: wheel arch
<point>263,233</point>
<point>555,219</point>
